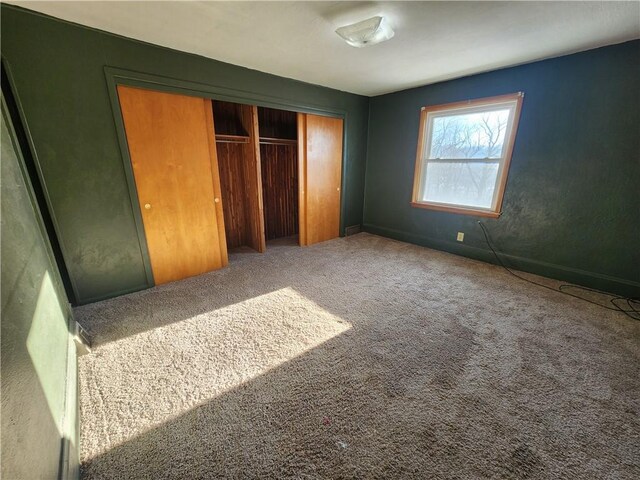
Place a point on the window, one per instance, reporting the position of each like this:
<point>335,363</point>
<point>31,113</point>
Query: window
<point>464,150</point>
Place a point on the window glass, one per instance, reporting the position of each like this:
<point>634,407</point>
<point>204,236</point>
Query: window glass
<point>464,154</point>
<point>461,183</point>
<point>472,135</point>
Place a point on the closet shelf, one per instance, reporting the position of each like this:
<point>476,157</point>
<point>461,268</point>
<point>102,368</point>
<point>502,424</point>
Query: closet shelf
<point>232,138</point>
<point>278,141</point>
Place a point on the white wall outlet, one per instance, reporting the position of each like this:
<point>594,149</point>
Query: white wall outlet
<point>460,237</point>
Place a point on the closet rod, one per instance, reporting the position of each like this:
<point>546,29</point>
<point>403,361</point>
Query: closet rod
<point>231,139</point>
<point>277,141</point>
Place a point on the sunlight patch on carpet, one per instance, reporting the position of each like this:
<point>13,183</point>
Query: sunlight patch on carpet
<point>162,373</point>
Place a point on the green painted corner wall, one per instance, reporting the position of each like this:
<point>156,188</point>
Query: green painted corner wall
<point>38,373</point>
<point>572,202</point>
<point>59,77</point>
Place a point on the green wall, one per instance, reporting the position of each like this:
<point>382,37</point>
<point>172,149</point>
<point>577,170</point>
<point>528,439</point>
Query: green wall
<point>572,202</point>
<point>570,208</point>
<point>58,70</point>
<point>39,399</point>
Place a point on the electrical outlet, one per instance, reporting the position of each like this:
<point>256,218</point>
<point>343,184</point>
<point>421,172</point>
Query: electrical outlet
<point>460,237</point>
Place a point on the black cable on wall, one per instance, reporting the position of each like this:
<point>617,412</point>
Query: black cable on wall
<point>633,304</point>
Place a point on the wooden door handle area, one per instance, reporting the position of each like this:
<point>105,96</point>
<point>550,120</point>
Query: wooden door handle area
<point>147,206</point>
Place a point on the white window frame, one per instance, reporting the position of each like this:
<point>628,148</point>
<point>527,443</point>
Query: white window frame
<point>427,115</point>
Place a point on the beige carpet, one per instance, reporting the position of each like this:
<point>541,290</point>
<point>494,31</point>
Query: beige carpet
<point>359,358</point>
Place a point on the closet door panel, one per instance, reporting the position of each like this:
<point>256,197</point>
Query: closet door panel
<point>170,139</point>
<point>253,176</point>
<point>321,169</point>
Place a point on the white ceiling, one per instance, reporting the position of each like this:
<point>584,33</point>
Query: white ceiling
<point>434,41</point>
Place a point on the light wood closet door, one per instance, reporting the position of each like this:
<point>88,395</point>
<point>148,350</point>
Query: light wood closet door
<point>320,177</point>
<point>172,147</point>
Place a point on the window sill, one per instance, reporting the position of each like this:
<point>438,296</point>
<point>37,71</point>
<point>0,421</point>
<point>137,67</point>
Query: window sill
<point>452,209</point>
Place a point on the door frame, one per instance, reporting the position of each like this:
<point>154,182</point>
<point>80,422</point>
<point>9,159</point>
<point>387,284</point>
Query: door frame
<point>118,76</point>
<point>37,180</point>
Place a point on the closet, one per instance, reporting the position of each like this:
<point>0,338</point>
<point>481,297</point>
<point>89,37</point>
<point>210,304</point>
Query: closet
<point>239,166</point>
<point>279,163</point>
<point>214,175</point>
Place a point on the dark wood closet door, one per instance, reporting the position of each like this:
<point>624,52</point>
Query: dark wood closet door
<point>172,148</point>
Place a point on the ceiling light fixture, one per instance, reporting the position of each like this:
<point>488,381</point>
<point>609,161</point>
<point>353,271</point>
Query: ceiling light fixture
<point>367,32</point>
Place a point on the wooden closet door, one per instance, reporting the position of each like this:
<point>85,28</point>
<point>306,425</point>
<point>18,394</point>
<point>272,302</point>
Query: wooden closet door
<point>171,142</point>
<point>320,177</point>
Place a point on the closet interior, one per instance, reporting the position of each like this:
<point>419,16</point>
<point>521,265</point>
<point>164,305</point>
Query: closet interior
<point>279,161</point>
<point>257,152</point>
